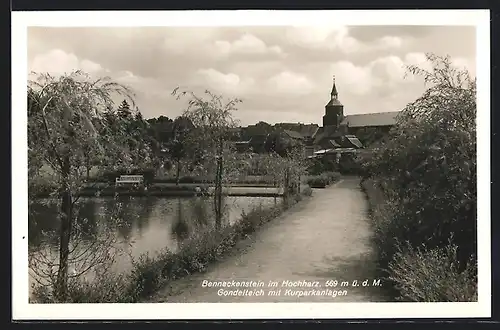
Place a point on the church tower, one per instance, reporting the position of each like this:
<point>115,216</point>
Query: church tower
<point>334,110</point>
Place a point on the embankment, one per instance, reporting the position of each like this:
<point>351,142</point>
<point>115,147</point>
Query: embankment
<point>151,273</point>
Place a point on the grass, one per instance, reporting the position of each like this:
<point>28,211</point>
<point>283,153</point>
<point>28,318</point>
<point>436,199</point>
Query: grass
<point>151,273</point>
<point>420,273</point>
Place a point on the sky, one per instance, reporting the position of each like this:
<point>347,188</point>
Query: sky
<point>282,74</point>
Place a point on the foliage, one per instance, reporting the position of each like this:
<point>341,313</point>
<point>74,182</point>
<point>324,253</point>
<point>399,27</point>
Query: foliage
<point>370,135</point>
<point>70,127</point>
<point>430,275</point>
<point>307,191</point>
<point>323,180</point>
<point>151,273</point>
<point>73,127</point>
<point>427,166</point>
<point>320,165</point>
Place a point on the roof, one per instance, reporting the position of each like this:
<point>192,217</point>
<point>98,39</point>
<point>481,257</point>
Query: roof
<point>308,130</point>
<point>354,140</point>
<point>335,144</point>
<point>258,138</point>
<point>305,130</point>
<point>293,134</point>
<point>326,132</point>
<point>334,102</point>
<point>371,119</point>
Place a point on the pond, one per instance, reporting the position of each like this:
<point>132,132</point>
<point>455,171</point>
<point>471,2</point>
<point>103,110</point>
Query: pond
<point>145,225</point>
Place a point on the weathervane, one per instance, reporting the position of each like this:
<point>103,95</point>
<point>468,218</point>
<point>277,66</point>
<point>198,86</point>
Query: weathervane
<point>333,94</point>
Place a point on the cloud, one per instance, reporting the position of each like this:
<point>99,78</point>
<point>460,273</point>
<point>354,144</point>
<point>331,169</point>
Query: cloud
<point>224,82</point>
<point>246,44</point>
<point>387,72</point>
<point>182,41</point>
<point>337,38</point>
<point>418,59</point>
<point>356,79</point>
<point>463,63</point>
<point>217,48</point>
<point>281,73</point>
<point>290,83</point>
<point>323,37</point>
<point>58,61</point>
<point>389,42</point>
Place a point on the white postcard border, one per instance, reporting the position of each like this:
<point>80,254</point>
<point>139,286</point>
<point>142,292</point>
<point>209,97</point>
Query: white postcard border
<point>22,310</point>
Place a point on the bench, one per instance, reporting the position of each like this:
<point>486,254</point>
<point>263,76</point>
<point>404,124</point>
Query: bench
<point>133,179</point>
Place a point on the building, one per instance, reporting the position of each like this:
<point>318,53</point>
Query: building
<point>339,133</point>
<point>345,133</point>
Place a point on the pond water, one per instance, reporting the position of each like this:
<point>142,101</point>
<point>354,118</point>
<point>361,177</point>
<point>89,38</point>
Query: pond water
<point>146,225</point>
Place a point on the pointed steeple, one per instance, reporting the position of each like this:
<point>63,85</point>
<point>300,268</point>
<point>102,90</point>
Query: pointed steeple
<point>334,95</point>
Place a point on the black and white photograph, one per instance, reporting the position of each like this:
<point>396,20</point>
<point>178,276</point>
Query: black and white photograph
<point>288,162</point>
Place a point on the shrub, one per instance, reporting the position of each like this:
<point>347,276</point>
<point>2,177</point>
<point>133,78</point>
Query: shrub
<point>323,180</point>
<point>151,273</point>
<point>427,170</point>
<point>318,181</point>
<point>307,191</point>
<point>321,165</point>
<point>429,275</point>
<point>332,176</point>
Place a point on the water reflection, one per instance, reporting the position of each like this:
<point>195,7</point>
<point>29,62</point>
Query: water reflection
<point>180,226</point>
<point>140,225</point>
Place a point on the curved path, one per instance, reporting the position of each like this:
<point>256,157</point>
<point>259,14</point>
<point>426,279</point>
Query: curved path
<point>324,238</point>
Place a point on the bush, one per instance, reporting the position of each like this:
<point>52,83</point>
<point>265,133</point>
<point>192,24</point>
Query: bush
<point>321,165</point>
<point>307,191</point>
<point>429,275</point>
<point>323,180</point>
<point>318,181</point>
<point>150,273</point>
<point>427,172</point>
<point>332,176</point>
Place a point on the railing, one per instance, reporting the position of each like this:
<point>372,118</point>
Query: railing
<point>134,179</point>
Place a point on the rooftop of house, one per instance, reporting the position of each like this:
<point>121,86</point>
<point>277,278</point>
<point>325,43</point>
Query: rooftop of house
<point>293,134</point>
<point>326,132</point>
<point>305,130</point>
<point>371,119</point>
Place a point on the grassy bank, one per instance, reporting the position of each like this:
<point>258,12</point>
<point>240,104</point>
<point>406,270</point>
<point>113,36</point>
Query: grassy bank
<point>415,272</point>
<point>150,273</point>
<point>162,190</point>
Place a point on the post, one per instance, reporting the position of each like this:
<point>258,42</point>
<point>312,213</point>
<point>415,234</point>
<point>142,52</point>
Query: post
<point>178,171</point>
<point>65,234</point>
<point>218,185</point>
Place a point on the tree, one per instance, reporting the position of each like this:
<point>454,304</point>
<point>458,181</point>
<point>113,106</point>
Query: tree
<point>280,143</point>
<point>67,119</point>
<point>429,162</point>
<point>124,110</point>
<point>212,117</point>
<point>180,131</point>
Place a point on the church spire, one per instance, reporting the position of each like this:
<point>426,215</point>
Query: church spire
<point>334,95</point>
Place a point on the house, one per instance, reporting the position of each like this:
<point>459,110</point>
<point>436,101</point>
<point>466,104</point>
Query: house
<point>339,134</point>
<point>349,131</point>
